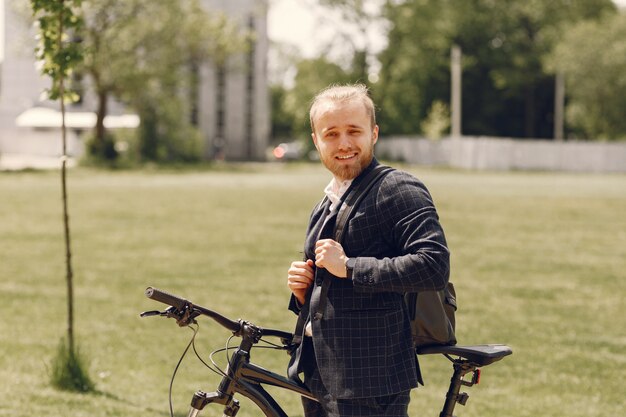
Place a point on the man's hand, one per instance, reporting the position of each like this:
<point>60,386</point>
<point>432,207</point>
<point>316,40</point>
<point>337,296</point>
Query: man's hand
<point>329,254</point>
<point>299,278</point>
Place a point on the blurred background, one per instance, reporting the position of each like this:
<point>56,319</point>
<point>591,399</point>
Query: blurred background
<point>191,156</point>
<point>527,84</point>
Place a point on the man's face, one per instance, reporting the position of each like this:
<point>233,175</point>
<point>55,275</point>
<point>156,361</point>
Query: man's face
<point>344,138</point>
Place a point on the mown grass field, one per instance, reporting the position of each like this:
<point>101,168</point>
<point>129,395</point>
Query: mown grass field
<point>538,259</point>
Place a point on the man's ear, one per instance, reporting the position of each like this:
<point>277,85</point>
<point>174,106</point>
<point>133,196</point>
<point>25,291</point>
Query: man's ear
<point>314,137</point>
<point>375,134</point>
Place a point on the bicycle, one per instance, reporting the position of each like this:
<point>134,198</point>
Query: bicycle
<point>245,378</point>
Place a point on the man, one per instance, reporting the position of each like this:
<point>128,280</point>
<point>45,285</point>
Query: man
<point>357,356</point>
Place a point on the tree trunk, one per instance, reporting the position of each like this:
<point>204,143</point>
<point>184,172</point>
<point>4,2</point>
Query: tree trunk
<point>148,134</point>
<point>529,116</point>
<point>66,222</point>
<point>100,115</point>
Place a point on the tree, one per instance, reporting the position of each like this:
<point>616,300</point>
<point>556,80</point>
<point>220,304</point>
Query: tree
<point>359,15</point>
<point>437,122</point>
<point>414,66</point>
<point>592,57</point>
<point>147,54</point>
<point>506,89</point>
<point>520,36</point>
<point>291,103</point>
<point>57,20</point>
<point>282,121</point>
<point>312,76</point>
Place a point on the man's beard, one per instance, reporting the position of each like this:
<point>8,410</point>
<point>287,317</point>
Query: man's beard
<point>349,172</point>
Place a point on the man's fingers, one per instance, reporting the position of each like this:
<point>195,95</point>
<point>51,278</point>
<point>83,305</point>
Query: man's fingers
<point>299,278</point>
<point>329,254</point>
<point>298,286</point>
<point>325,243</point>
<point>303,274</point>
<point>326,248</point>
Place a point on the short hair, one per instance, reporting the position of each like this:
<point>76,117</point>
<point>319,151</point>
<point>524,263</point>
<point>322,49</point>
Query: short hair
<point>345,93</point>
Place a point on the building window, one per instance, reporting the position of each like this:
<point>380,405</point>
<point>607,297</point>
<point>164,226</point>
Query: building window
<point>194,92</point>
<point>250,87</point>
<point>220,117</point>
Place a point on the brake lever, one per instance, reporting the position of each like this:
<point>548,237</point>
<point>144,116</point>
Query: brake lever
<point>167,313</point>
<point>151,313</point>
<point>183,318</point>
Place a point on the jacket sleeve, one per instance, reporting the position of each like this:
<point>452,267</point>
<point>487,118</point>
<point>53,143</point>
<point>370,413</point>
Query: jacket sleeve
<point>294,305</point>
<point>409,223</point>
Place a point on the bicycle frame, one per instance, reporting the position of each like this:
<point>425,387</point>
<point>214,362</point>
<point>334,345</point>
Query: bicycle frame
<point>245,378</point>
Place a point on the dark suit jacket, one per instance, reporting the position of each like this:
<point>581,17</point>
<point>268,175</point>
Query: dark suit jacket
<point>363,341</point>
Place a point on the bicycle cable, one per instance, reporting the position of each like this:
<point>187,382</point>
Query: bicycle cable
<point>272,345</point>
<point>226,349</point>
<point>215,368</point>
<point>191,342</point>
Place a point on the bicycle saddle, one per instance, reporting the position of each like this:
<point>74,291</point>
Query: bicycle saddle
<point>481,355</point>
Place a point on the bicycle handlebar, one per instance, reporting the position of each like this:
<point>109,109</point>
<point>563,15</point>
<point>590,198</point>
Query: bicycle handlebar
<point>166,298</point>
<point>181,304</point>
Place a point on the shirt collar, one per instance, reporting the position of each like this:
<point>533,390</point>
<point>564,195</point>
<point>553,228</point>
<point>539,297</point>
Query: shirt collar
<point>335,190</point>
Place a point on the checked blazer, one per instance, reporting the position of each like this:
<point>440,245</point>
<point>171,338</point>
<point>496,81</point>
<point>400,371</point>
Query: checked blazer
<point>362,343</point>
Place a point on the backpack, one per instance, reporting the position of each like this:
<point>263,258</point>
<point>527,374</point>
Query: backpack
<point>431,313</point>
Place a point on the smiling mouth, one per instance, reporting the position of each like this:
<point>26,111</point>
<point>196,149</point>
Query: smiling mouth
<point>345,157</point>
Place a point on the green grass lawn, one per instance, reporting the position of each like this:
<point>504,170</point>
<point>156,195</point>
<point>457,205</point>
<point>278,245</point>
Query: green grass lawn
<point>538,261</point>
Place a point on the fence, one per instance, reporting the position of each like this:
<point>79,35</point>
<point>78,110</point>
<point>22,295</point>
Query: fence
<point>488,153</point>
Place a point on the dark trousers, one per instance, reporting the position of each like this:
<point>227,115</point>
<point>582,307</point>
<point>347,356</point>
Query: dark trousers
<point>395,405</point>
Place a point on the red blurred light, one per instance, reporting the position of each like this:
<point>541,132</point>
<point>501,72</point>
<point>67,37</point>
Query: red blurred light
<point>278,152</point>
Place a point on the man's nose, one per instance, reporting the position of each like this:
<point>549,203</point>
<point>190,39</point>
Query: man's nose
<point>344,141</point>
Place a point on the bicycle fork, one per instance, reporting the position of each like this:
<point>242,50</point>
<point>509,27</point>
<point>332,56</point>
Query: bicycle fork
<point>224,393</point>
<point>201,399</point>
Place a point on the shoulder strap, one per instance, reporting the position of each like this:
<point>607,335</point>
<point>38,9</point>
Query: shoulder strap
<point>350,203</point>
<point>355,196</point>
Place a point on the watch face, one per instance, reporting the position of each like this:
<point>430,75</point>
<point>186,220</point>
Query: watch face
<point>351,263</point>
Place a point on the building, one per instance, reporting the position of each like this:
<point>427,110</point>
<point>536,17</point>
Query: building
<point>231,108</point>
<point>234,104</point>
<point>20,89</point>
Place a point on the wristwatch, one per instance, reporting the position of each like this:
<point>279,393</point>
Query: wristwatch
<point>350,264</point>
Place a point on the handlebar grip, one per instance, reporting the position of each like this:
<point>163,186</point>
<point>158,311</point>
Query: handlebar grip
<point>166,298</point>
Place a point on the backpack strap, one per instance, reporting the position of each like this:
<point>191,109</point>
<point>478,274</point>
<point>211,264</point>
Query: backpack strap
<point>350,203</point>
<point>353,200</point>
